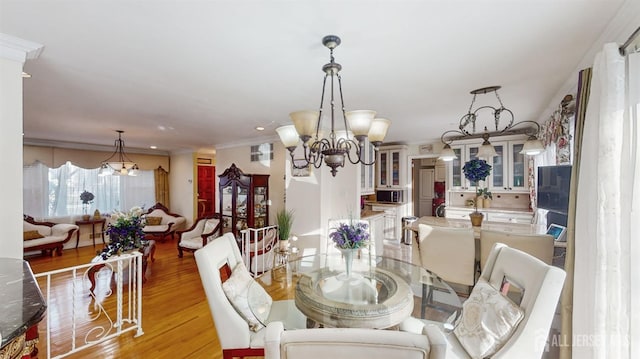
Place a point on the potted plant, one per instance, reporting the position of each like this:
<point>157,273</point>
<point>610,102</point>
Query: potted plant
<point>87,198</point>
<point>285,222</point>
<point>486,196</point>
<point>349,238</point>
<point>476,170</point>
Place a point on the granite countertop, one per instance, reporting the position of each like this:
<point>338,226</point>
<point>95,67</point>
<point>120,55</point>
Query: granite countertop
<point>21,302</point>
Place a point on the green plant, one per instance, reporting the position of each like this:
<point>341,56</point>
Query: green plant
<point>485,193</point>
<point>285,222</point>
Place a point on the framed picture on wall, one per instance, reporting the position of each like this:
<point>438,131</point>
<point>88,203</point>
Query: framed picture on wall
<point>300,172</point>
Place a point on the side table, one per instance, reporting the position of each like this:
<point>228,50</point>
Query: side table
<point>92,222</point>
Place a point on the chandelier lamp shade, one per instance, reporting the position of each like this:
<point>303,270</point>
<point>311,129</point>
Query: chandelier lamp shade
<point>334,146</point>
<point>503,124</point>
<point>119,163</point>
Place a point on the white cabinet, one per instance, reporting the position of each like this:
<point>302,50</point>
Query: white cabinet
<point>391,167</point>
<point>392,229</point>
<point>367,173</point>
<point>510,217</point>
<point>457,213</point>
<point>456,178</point>
<point>509,170</point>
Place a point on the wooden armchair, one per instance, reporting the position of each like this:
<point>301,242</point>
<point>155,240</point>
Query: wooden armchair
<point>204,230</point>
<point>162,223</point>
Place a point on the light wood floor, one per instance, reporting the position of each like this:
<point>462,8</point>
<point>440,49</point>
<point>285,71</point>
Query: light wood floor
<point>175,317</point>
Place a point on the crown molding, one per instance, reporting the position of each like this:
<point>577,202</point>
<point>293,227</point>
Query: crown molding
<point>88,147</point>
<point>17,49</point>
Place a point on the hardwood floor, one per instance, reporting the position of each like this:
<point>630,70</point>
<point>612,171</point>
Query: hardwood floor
<point>175,316</point>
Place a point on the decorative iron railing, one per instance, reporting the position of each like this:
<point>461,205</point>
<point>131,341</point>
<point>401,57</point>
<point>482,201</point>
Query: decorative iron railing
<point>81,308</point>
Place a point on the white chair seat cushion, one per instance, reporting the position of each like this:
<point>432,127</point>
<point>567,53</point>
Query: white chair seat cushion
<point>236,288</point>
<point>191,243</point>
<point>487,322</point>
<point>158,228</point>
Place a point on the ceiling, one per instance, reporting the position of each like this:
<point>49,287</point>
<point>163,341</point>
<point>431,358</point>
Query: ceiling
<point>196,75</point>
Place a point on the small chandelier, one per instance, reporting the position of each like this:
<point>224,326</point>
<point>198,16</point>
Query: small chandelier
<point>118,163</point>
<point>333,149</point>
<point>467,129</point>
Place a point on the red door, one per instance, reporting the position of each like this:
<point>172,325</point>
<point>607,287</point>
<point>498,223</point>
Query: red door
<point>206,192</point>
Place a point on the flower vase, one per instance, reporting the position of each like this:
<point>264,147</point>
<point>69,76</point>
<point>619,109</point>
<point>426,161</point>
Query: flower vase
<point>348,254</point>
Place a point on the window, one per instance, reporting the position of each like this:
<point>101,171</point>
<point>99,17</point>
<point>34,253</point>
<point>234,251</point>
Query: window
<point>55,192</point>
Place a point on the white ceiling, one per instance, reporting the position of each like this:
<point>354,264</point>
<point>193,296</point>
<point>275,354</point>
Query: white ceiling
<point>192,75</point>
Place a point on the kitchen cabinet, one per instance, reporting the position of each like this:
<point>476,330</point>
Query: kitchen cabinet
<point>367,173</point>
<point>244,200</point>
<point>392,229</point>
<point>391,167</point>
<point>509,168</point>
<point>491,215</point>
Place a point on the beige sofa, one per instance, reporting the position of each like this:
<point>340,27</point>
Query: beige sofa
<point>46,236</point>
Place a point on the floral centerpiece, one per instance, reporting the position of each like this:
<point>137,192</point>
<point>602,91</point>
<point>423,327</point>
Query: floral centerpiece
<point>348,238</point>
<point>476,170</point>
<point>87,198</point>
<point>125,232</point>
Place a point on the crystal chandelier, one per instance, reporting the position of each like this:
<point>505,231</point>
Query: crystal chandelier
<point>358,126</point>
<point>118,163</point>
<point>467,129</point>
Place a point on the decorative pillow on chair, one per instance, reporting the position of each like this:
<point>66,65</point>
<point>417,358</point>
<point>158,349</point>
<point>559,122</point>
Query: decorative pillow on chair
<point>236,288</point>
<point>154,221</point>
<point>488,320</point>
<point>28,235</point>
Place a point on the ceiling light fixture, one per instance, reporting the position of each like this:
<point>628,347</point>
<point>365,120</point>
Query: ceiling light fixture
<point>118,163</point>
<point>467,129</point>
<point>333,149</point>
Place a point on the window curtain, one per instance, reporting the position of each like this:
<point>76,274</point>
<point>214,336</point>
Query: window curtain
<point>162,186</point>
<point>605,278</point>
<point>35,190</point>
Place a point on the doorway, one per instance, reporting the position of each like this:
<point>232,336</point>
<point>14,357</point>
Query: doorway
<point>206,190</point>
<point>423,178</point>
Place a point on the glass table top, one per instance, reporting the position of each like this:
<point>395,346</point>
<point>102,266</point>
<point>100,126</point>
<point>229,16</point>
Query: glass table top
<point>380,293</point>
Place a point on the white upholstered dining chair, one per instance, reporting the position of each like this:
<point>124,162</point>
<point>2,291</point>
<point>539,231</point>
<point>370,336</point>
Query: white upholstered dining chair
<point>448,252</point>
<point>219,262</point>
<point>343,343</point>
<point>523,332</point>
<point>538,245</point>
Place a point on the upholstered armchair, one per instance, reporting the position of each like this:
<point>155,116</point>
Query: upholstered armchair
<point>343,343</point>
<point>225,276</point>
<point>45,236</point>
<point>448,252</point>
<point>161,222</point>
<point>203,231</point>
<point>507,315</point>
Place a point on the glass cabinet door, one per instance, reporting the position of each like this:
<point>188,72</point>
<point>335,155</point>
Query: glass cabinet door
<point>259,207</point>
<point>518,167</point>
<point>497,178</point>
<point>384,165</point>
<point>456,169</point>
<point>472,154</point>
<point>395,168</point>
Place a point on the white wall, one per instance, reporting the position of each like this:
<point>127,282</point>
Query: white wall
<point>11,144</point>
<point>181,185</point>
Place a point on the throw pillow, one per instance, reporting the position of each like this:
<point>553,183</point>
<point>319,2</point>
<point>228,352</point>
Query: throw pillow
<point>28,235</point>
<point>236,288</point>
<point>154,221</point>
<point>488,320</point>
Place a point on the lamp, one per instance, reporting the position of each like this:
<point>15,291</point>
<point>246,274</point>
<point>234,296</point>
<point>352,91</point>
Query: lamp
<point>118,163</point>
<point>467,129</point>
<point>358,125</point>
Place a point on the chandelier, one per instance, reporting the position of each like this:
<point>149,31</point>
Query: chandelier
<point>118,163</point>
<point>350,142</point>
<point>467,129</point>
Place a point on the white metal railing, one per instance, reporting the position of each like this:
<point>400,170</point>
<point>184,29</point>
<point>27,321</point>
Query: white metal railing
<point>81,306</point>
<point>258,246</point>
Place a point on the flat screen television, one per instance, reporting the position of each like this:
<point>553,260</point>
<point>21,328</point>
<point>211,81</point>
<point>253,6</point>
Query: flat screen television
<point>554,183</point>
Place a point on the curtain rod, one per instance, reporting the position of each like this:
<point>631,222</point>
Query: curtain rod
<point>634,37</point>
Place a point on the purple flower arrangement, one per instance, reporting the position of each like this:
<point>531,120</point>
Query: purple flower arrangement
<point>125,232</point>
<point>350,235</point>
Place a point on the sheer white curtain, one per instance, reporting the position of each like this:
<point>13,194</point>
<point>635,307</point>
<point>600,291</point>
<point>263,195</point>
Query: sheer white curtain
<point>55,192</point>
<point>607,262</point>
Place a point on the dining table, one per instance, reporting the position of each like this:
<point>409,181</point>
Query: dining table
<point>379,293</point>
